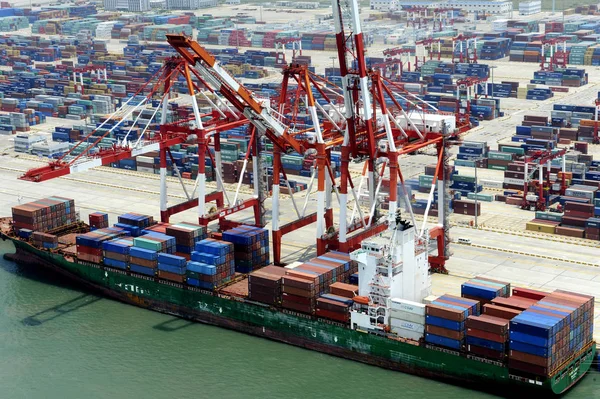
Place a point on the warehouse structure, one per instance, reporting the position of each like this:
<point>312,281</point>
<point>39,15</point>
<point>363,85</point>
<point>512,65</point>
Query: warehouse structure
<point>530,7</point>
<point>127,5</point>
<point>384,5</point>
<point>190,4</point>
<point>484,6</point>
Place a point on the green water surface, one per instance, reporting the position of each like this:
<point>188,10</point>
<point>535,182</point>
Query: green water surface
<point>57,341</point>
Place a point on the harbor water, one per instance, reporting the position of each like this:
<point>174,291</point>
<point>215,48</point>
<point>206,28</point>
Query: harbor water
<point>59,341</point>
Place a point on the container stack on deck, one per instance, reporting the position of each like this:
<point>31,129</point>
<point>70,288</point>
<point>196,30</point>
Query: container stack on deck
<point>45,214</point>
<point>212,264</point>
<point>546,335</point>
<point>264,285</point>
<point>251,246</point>
<point>98,220</point>
<point>172,267</point>
<point>116,252</point>
<point>407,319</point>
<point>186,235</point>
<point>44,240</point>
<point>445,320</point>
<point>89,245</point>
<point>134,223</point>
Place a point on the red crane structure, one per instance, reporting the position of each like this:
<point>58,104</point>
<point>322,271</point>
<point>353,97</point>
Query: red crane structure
<point>97,72</point>
<point>395,61</point>
<point>369,118</point>
<point>552,55</point>
<point>442,16</point>
<point>280,47</point>
<point>533,191</point>
<point>466,46</point>
<point>433,47</point>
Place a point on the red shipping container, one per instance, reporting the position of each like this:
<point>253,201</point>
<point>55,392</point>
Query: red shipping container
<point>529,293</point>
<point>501,338</point>
<point>485,352</point>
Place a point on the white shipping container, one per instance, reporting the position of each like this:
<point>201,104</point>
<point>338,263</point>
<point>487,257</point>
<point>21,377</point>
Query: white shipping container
<point>402,315</point>
<point>407,325</point>
<point>143,159</point>
<point>508,180</point>
<point>490,183</point>
<point>428,300</point>
<point>407,306</point>
<point>293,265</point>
<point>579,193</point>
<point>145,169</point>
<point>401,332</point>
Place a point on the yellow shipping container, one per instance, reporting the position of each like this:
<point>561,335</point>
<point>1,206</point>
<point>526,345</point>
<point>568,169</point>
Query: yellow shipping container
<point>543,228</point>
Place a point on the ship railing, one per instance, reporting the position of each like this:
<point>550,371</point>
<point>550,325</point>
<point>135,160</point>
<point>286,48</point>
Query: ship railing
<point>444,350</point>
<point>297,314</point>
<point>484,360</point>
<point>535,381</point>
<point>586,351</point>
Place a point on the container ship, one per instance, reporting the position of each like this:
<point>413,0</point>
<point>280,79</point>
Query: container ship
<point>373,305</point>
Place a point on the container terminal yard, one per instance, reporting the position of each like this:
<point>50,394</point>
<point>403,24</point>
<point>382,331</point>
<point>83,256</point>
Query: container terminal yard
<point>459,150</point>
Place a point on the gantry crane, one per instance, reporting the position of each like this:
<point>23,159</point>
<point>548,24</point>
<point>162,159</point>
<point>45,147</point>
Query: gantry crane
<point>468,43</point>
<point>369,118</point>
<point>534,197</point>
<point>433,46</point>
<point>552,54</point>
<point>97,72</point>
<point>280,49</point>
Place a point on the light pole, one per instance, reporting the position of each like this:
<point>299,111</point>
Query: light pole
<point>476,181</point>
<point>492,67</point>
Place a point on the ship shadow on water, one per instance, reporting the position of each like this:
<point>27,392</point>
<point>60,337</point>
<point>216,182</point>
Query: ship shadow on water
<point>174,324</point>
<point>62,309</point>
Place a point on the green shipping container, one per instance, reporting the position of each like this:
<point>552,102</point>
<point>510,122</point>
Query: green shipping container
<point>512,150</point>
<point>466,179</point>
<point>502,156</point>
<point>147,244</point>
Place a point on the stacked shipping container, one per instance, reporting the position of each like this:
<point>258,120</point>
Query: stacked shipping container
<point>45,214</point>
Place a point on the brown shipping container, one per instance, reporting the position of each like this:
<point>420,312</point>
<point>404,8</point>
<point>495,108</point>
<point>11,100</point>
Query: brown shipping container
<point>485,352</point>
<point>179,278</point>
<point>297,306</point>
<point>472,332</point>
<point>569,232</point>
<point>267,281</point>
<point>343,289</point>
<point>116,256</point>
<point>585,298</point>
<point>298,292</point>
<point>298,299</point>
<point>310,278</point>
<point>529,293</point>
<point>500,311</point>
<point>334,306</point>
<point>514,302</point>
<point>531,359</point>
<point>297,282</point>
<point>444,332</point>
<point>274,270</point>
<point>263,298</point>
<point>527,367</point>
<point>494,325</point>
<point>445,313</point>
<point>143,262</point>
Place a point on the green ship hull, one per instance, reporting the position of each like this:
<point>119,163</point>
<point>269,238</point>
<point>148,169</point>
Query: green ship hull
<point>303,330</point>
